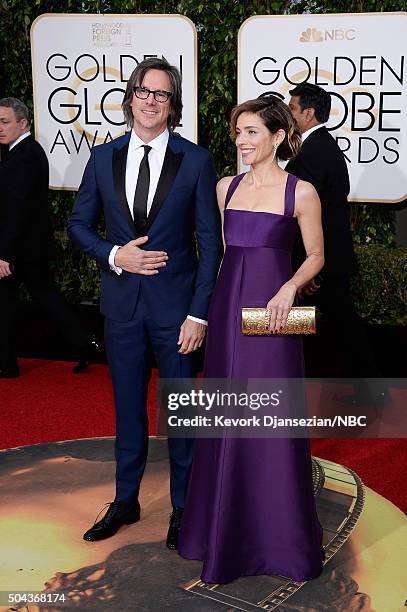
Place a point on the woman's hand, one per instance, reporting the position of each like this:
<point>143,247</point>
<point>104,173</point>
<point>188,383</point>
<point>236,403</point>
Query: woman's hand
<point>279,306</point>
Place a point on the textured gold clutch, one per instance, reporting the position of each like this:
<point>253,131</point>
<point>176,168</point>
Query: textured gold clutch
<point>301,320</point>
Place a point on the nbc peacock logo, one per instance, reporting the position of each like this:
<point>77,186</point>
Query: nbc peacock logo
<point>311,35</point>
<point>315,35</point>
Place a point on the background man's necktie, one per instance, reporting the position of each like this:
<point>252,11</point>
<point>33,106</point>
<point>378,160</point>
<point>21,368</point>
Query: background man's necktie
<point>141,193</point>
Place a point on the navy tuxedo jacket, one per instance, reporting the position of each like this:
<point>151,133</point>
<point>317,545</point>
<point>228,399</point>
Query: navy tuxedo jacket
<point>183,221</point>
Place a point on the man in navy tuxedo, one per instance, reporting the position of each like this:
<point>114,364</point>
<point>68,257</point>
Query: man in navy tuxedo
<point>159,263</point>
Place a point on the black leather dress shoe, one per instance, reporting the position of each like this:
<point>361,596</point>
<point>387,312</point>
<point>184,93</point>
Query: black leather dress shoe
<point>116,516</point>
<point>89,354</point>
<point>173,530</point>
<point>9,373</point>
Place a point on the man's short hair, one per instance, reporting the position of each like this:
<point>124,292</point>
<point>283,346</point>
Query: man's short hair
<point>313,96</point>
<point>19,108</point>
<point>136,78</point>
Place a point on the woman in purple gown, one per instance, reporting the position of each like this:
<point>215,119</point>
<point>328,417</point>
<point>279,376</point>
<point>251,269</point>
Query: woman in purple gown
<point>250,506</point>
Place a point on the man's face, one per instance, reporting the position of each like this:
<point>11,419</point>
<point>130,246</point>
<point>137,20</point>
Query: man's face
<point>298,114</point>
<point>10,127</point>
<point>150,117</point>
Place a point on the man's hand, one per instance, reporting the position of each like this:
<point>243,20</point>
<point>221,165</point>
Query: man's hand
<point>133,259</point>
<point>4,269</point>
<point>308,289</point>
<point>191,336</point>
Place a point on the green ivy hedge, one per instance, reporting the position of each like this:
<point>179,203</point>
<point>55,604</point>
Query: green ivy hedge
<point>380,286</point>
<point>217,25</point>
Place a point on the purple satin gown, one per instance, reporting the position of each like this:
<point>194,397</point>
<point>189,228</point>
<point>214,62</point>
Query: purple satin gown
<point>250,506</point>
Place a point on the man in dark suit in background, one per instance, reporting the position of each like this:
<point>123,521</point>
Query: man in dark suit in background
<point>26,239</point>
<point>157,193</point>
<point>321,162</point>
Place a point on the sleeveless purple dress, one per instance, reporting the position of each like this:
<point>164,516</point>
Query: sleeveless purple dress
<point>250,506</point>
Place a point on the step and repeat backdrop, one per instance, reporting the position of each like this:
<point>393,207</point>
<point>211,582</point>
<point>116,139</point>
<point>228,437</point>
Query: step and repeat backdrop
<point>81,64</point>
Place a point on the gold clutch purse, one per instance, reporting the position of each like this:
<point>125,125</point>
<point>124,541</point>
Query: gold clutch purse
<point>301,320</point>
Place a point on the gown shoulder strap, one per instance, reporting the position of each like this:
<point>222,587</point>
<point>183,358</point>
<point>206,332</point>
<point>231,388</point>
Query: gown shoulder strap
<point>289,199</point>
<point>232,187</point>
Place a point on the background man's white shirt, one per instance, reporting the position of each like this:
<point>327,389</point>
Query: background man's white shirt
<point>308,132</point>
<point>19,139</point>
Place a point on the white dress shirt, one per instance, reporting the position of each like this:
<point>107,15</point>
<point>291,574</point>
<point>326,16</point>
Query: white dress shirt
<point>308,132</point>
<point>135,154</point>
<point>19,139</point>
<point>156,156</point>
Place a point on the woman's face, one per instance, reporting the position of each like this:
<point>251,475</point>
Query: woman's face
<point>254,139</point>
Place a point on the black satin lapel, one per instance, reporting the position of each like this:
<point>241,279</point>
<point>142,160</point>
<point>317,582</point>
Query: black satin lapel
<point>119,179</point>
<point>169,171</point>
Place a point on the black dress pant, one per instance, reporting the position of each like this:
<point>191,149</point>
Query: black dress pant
<point>38,280</point>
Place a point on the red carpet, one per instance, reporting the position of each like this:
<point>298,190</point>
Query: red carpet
<point>49,403</point>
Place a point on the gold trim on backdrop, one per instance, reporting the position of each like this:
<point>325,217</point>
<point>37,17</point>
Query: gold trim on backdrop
<point>368,200</point>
